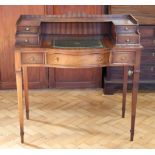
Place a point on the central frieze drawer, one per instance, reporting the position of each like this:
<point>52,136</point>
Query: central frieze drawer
<point>79,60</point>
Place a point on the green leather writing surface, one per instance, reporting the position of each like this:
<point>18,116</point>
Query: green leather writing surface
<point>77,43</point>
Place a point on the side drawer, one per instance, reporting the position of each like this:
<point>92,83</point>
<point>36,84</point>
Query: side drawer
<point>28,29</point>
<point>32,58</point>
<point>147,72</point>
<point>127,39</point>
<point>148,42</point>
<point>116,73</point>
<point>147,31</point>
<point>126,29</point>
<point>148,56</point>
<point>83,60</point>
<point>123,57</point>
<point>27,39</point>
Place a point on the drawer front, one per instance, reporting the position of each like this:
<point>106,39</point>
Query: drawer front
<point>27,29</point>
<point>147,31</point>
<point>123,57</point>
<point>127,39</point>
<point>85,60</point>
<point>126,29</point>
<point>148,42</point>
<point>148,56</point>
<point>27,39</point>
<point>147,72</point>
<point>32,58</point>
<point>117,72</point>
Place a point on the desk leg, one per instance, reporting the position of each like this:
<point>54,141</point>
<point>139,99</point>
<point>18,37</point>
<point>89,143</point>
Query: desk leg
<point>134,101</point>
<point>20,103</point>
<point>25,81</point>
<point>125,84</point>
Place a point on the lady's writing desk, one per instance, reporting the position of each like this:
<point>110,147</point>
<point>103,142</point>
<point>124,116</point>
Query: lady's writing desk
<point>77,41</point>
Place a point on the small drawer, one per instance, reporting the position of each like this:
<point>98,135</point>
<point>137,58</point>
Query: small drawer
<point>32,58</point>
<point>147,72</point>
<point>27,39</point>
<point>126,29</point>
<point>123,57</point>
<point>148,42</point>
<point>84,60</point>
<point>127,39</point>
<point>27,29</point>
<point>148,56</point>
<point>147,31</point>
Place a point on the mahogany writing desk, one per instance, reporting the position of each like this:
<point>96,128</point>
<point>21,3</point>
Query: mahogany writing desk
<point>77,41</point>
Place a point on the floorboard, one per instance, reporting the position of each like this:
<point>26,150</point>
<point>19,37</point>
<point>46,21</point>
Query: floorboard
<point>80,118</point>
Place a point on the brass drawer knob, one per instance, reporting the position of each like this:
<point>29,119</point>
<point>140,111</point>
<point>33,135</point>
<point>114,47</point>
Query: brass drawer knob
<point>130,73</point>
<point>100,59</point>
<point>152,69</point>
<point>26,40</point>
<point>27,29</point>
<point>127,40</point>
<point>32,58</point>
<point>56,59</point>
<point>123,58</point>
<point>126,28</point>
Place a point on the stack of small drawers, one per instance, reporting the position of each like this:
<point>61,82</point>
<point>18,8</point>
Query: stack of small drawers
<point>125,36</point>
<point>28,35</point>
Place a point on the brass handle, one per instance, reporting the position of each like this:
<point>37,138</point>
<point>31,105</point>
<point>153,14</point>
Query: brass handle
<point>127,40</point>
<point>123,58</point>
<point>57,59</point>
<point>153,54</point>
<point>126,28</point>
<point>100,59</point>
<point>152,69</point>
<point>27,29</point>
<point>26,40</point>
<point>130,73</point>
<point>32,58</point>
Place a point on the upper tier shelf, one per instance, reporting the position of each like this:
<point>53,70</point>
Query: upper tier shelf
<point>42,30</point>
<point>36,20</point>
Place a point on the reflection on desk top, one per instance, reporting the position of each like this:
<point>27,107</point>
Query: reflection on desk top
<point>36,20</point>
<point>78,43</point>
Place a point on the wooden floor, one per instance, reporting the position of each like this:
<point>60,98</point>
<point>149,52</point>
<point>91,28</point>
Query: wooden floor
<point>77,119</point>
